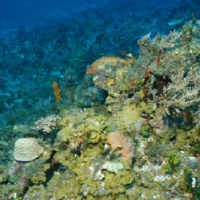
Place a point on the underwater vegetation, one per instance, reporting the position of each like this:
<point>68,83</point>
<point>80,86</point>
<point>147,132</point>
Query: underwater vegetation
<point>142,143</point>
<point>99,124</point>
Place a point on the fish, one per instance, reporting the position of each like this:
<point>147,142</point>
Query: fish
<point>111,60</point>
<point>176,21</point>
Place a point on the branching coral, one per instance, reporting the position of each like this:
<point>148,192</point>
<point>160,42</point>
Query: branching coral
<point>158,43</point>
<point>181,93</point>
<point>47,124</point>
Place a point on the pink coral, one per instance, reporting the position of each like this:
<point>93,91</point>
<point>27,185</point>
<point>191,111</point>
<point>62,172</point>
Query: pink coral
<point>118,140</point>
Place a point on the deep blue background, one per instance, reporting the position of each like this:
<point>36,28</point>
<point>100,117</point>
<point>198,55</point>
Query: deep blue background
<point>15,13</point>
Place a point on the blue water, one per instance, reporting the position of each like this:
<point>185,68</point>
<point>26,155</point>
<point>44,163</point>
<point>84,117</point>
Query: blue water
<point>54,41</point>
<point>26,13</point>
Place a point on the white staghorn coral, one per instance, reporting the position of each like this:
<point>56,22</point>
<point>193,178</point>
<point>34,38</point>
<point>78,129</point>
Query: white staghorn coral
<point>47,124</point>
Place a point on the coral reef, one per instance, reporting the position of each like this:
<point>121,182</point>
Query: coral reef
<point>27,149</point>
<point>126,128</point>
<point>47,124</point>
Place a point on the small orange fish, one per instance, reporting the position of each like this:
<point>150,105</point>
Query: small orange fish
<point>111,60</point>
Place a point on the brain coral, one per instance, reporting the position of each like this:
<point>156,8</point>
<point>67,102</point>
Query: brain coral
<point>27,149</point>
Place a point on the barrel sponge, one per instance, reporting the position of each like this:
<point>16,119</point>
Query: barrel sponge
<point>27,149</point>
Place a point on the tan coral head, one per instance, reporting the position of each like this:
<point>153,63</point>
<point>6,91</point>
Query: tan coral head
<point>27,149</point>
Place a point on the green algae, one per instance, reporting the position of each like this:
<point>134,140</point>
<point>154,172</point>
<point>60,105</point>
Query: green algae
<point>68,189</point>
<point>173,162</point>
<point>35,171</point>
<point>145,130</point>
<point>36,192</point>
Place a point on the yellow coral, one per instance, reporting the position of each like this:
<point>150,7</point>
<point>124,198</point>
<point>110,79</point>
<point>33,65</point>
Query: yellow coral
<point>56,91</point>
